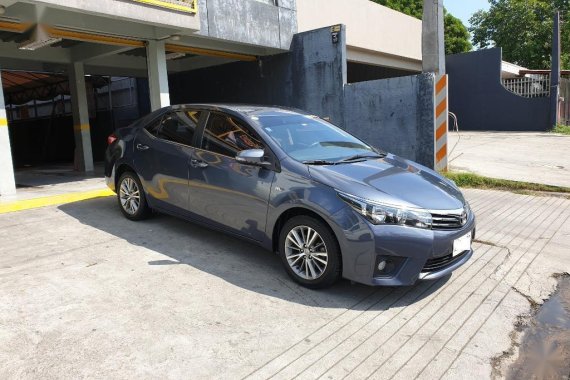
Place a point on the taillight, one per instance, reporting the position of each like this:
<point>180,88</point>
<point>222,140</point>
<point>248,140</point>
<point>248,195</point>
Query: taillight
<point>111,139</point>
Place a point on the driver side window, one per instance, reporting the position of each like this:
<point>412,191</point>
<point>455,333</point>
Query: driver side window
<point>226,135</point>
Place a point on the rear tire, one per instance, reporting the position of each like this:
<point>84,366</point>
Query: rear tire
<point>310,252</point>
<point>131,197</point>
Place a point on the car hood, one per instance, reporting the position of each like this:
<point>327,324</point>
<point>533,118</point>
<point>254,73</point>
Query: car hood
<point>392,180</point>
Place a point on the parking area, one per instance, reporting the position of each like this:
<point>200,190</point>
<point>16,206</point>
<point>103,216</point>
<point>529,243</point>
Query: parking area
<point>517,156</point>
<point>86,293</point>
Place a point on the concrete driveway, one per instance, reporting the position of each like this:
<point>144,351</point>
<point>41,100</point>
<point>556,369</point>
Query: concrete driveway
<point>86,293</point>
<point>518,156</point>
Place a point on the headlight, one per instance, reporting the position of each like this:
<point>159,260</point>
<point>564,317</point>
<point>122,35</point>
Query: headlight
<point>378,213</point>
<point>467,208</point>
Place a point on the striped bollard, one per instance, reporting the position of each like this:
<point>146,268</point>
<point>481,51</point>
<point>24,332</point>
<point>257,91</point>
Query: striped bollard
<point>441,115</point>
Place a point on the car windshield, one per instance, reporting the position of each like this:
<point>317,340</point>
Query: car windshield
<point>309,139</point>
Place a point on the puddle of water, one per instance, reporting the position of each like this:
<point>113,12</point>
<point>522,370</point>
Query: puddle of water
<point>545,347</point>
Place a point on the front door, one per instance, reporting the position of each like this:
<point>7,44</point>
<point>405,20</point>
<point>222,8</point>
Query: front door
<point>222,191</point>
<point>163,153</point>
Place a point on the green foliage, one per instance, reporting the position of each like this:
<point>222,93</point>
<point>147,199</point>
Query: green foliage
<point>475,181</point>
<point>412,8</point>
<point>523,28</point>
<point>562,129</point>
<point>457,39</point>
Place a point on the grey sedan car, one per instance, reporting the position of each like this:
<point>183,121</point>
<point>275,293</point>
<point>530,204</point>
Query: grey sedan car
<point>328,203</point>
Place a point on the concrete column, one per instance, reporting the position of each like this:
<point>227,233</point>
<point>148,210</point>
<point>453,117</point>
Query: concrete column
<point>7,182</point>
<point>157,75</point>
<point>433,41</point>
<point>81,129</point>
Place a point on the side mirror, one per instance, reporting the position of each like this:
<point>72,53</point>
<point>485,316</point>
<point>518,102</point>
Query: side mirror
<point>253,157</point>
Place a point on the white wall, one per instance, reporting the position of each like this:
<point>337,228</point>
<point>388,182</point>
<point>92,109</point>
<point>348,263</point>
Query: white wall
<point>375,34</point>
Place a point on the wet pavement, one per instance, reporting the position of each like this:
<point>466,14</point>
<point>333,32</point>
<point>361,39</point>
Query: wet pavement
<point>545,347</point>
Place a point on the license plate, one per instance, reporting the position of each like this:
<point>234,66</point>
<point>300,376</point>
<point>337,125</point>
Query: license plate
<point>462,244</point>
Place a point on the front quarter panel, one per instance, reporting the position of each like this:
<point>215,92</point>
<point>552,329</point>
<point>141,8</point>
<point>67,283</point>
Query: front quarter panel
<point>293,188</point>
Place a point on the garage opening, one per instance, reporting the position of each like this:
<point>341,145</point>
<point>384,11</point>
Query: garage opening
<point>40,122</point>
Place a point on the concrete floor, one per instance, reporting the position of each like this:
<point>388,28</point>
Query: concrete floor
<point>519,156</point>
<point>86,293</point>
<point>50,180</point>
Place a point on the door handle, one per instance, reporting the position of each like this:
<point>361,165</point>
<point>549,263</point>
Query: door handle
<point>142,147</point>
<point>198,164</point>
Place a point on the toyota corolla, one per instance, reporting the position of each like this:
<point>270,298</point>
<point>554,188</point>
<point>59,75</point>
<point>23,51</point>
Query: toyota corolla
<point>328,203</point>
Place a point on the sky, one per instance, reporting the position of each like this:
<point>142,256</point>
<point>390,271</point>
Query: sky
<point>464,9</point>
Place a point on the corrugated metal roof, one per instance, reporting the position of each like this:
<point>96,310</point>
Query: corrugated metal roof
<point>17,81</point>
<point>21,86</point>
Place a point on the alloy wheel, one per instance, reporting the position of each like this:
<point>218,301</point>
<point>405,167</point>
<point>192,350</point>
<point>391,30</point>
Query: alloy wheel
<point>129,196</point>
<point>306,252</point>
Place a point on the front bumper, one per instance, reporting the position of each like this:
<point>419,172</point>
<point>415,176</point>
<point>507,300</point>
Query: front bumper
<point>444,271</point>
<point>412,254</point>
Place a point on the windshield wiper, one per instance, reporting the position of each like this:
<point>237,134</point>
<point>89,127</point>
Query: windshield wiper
<point>319,162</point>
<point>362,157</point>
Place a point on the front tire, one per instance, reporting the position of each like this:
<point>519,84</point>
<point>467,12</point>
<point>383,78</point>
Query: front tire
<point>310,252</point>
<point>131,197</point>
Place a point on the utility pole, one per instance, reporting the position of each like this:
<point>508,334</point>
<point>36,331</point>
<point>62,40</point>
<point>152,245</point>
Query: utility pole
<point>555,72</point>
<point>433,42</point>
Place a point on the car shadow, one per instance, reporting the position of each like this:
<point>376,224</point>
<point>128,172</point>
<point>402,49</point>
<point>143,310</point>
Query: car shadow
<point>236,261</point>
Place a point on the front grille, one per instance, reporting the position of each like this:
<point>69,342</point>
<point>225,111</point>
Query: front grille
<point>448,221</point>
<point>438,263</point>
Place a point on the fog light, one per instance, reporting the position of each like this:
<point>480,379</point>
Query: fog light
<point>388,266</point>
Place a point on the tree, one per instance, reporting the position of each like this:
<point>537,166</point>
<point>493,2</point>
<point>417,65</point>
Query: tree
<point>456,34</point>
<point>457,38</point>
<point>412,8</point>
<point>523,28</point>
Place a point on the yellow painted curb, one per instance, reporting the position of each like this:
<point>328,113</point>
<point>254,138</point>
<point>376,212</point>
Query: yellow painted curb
<point>27,204</point>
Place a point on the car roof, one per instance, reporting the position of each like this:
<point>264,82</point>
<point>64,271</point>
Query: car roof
<point>247,110</point>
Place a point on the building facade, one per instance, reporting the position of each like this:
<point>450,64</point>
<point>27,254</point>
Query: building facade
<point>309,54</point>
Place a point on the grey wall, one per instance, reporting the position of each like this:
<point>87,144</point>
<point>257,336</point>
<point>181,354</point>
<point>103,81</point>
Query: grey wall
<point>480,102</point>
<point>310,77</point>
<point>395,114</point>
<point>249,21</point>
<point>319,73</point>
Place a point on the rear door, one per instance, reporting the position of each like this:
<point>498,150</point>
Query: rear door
<point>222,191</point>
<point>162,154</point>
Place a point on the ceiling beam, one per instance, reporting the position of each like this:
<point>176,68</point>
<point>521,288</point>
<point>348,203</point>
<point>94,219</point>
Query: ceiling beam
<point>118,63</point>
<point>209,52</point>
<point>83,52</point>
<point>46,54</point>
<point>16,27</point>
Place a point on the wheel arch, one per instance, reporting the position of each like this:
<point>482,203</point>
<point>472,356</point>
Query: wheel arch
<point>122,168</point>
<point>293,212</point>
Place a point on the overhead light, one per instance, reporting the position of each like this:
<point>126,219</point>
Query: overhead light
<point>175,37</point>
<point>171,56</point>
<point>39,39</point>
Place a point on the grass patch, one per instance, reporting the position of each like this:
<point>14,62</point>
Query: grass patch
<point>562,129</point>
<point>475,181</point>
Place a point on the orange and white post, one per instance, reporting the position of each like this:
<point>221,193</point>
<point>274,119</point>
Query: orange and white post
<point>441,117</point>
